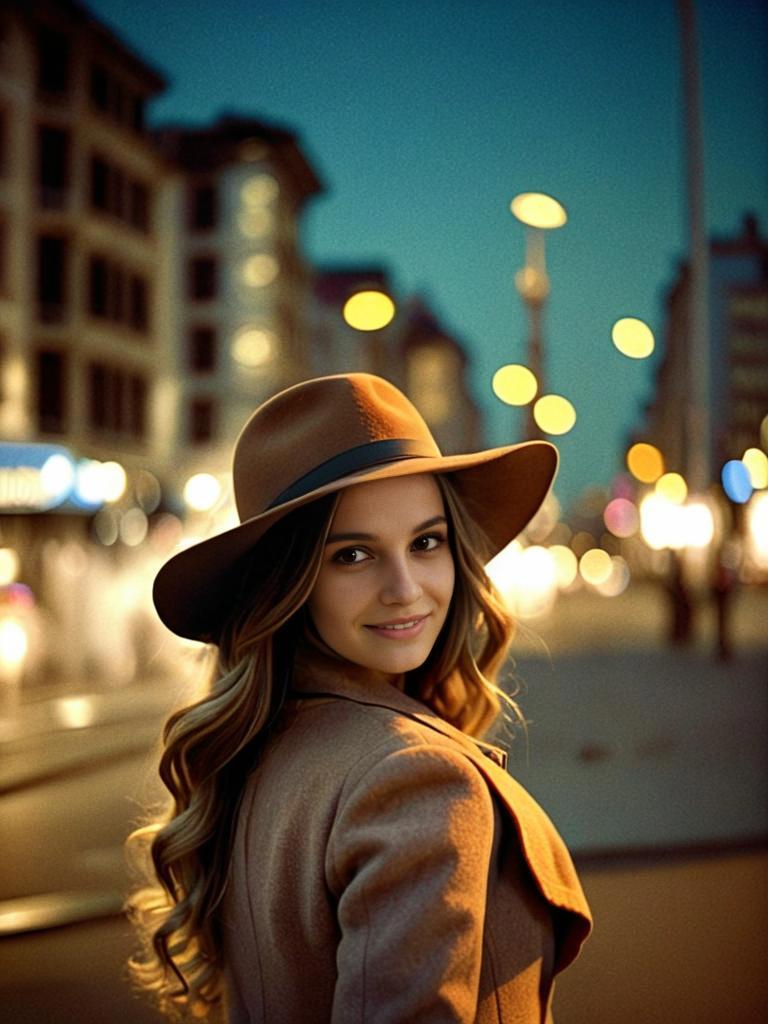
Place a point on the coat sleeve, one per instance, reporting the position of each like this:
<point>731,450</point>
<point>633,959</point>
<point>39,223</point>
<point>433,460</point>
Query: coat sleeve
<point>408,861</point>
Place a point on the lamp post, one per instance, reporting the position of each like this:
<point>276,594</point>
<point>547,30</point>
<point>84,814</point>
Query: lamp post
<point>539,213</point>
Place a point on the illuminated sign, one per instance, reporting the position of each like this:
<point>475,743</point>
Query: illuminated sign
<point>41,477</point>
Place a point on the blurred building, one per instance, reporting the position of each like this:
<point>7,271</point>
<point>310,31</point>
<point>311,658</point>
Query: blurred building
<point>80,235</point>
<point>240,288</point>
<point>738,378</point>
<point>414,351</point>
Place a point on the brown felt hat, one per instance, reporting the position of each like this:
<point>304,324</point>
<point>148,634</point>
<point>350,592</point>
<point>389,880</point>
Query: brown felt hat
<point>322,435</point>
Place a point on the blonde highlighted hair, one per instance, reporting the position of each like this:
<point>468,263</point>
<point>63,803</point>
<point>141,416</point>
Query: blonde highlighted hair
<point>209,748</point>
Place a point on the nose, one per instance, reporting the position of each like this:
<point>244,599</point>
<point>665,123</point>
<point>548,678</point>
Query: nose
<point>400,586</point>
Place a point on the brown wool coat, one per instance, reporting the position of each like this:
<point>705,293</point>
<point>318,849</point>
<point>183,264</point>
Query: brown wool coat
<point>386,870</point>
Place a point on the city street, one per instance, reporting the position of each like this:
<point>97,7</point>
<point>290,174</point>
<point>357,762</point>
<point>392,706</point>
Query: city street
<point>641,749</point>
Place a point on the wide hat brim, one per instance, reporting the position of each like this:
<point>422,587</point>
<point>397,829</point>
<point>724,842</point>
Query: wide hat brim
<point>502,489</point>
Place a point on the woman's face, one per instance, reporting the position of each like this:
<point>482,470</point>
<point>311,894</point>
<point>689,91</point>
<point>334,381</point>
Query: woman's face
<point>387,574</point>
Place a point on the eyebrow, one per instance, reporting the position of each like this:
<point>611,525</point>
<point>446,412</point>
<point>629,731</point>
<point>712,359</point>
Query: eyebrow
<point>434,521</point>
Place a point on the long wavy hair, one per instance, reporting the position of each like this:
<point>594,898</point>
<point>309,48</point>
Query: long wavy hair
<point>181,856</point>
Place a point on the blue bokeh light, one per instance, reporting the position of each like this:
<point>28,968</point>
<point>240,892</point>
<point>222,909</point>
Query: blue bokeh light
<point>736,481</point>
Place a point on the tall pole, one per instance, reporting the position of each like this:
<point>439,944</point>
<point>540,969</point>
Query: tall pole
<point>698,433</point>
<point>533,286</point>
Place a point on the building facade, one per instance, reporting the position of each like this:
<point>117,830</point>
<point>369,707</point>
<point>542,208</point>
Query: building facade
<point>239,289</point>
<point>738,357</point>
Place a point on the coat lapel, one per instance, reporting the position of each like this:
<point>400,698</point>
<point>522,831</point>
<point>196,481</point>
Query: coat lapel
<point>543,848</point>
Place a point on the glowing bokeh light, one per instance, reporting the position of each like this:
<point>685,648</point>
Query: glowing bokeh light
<point>259,190</point>
<point>645,462</point>
<point>659,524</point>
<point>621,517</point>
<point>566,565</point>
<point>757,528</point>
<point>368,310</point>
<point>106,526</point>
<point>260,270</point>
<point>202,491</point>
<point>633,337</point>
<point>756,462</point>
<point>13,643</point>
<point>9,566</point>
<point>75,712</point>
<point>554,414</point>
<point>113,481</point>
<point>736,481</point>
<point>89,486</point>
<point>699,524</point>
<point>526,579</point>
<point>595,566</point>
<point>253,347</point>
<point>617,581</point>
<point>514,384</point>
<point>672,487</point>
<point>538,210</point>
<point>133,527</point>
<point>57,477</point>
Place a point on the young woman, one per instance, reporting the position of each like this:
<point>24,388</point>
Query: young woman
<point>340,847</point>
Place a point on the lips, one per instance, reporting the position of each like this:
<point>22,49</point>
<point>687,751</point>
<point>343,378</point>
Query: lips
<point>398,624</point>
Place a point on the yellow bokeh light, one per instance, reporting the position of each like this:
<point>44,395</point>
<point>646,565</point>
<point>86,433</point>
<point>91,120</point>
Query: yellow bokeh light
<point>202,491</point>
<point>260,270</point>
<point>619,578</point>
<point>633,337</point>
<point>13,643</point>
<point>538,210</point>
<point>9,566</point>
<point>756,462</point>
<point>595,566</point>
<point>369,310</point>
<point>554,414</point>
<point>645,462</point>
<point>514,384</point>
<point>253,347</point>
<point>259,189</point>
<point>566,565</point>
<point>114,481</point>
<point>672,487</point>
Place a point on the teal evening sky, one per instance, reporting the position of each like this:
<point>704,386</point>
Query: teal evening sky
<point>423,119</point>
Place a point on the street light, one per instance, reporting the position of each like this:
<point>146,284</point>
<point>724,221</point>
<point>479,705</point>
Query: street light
<point>539,213</point>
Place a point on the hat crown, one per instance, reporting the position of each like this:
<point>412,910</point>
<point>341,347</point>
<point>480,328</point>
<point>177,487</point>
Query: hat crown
<point>317,423</point>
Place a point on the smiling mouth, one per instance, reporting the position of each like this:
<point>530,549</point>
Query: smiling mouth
<point>399,626</point>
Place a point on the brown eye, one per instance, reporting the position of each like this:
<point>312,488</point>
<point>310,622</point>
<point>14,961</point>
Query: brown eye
<point>349,556</point>
<point>428,542</point>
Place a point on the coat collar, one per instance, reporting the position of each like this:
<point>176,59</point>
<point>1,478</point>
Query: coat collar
<point>323,676</point>
<point>330,676</point>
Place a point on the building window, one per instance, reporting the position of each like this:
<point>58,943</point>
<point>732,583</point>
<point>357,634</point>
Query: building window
<point>138,316</point>
<point>99,88</point>
<point>117,401</point>
<point>138,213</point>
<point>52,63</point>
<point>201,420</point>
<point>202,349</point>
<point>51,278</point>
<point>99,184</point>
<point>115,192</point>
<point>52,167</point>
<point>97,286</point>
<point>202,281</point>
<point>117,294</point>
<point>202,207</point>
<point>51,392</point>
